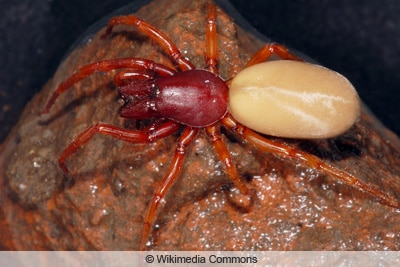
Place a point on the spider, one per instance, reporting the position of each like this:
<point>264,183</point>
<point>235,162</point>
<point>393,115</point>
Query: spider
<point>191,99</point>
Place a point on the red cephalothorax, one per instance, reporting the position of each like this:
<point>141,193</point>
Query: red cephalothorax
<point>194,99</point>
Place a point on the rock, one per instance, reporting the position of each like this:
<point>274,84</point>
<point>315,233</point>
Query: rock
<point>101,205</point>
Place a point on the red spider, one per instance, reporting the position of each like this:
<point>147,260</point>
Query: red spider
<point>189,98</point>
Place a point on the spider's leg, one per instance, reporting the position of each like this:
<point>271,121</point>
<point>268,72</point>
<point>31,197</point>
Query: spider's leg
<point>223,155</point>
<point>105,66</point>
<point>175,168</point>
<point>133,136</point>
<point>211,39</point>
<point>268,50</point>
<point>153,33</point>
<point>124,77</point>
<point>285,151</point>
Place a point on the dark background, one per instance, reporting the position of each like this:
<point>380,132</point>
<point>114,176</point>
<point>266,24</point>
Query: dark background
<point>360,39</point>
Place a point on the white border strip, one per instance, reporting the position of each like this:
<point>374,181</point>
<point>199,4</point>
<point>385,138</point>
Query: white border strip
<point>197,258</point>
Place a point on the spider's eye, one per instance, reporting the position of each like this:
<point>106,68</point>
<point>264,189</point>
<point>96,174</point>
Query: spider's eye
<point>126,99</point>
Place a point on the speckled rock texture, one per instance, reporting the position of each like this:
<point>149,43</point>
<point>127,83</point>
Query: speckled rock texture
<point>101,206</point>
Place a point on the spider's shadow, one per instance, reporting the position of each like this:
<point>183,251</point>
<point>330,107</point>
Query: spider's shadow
<point>334,149</point>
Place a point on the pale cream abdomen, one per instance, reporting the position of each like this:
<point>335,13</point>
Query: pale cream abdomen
<point>293,99</point>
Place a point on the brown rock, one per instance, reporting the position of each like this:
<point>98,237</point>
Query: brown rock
<point>102,207</point>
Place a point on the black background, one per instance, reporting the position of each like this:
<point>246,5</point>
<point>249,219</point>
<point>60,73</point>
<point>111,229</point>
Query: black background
<point>360,39</point>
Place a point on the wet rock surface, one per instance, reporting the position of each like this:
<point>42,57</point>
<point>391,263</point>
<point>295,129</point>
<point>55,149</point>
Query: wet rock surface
<point>102,204</point>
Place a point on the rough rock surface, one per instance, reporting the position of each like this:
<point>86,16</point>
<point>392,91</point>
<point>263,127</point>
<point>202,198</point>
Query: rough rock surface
<point>102,206</point>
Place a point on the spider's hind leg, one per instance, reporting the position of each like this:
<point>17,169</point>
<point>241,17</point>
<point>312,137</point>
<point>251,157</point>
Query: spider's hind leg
<point>310,160</point>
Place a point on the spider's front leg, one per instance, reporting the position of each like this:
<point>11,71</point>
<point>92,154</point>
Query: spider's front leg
<point>133,136</point>
<point>105,66</point>
<point>154,34</point>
